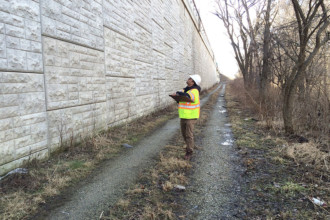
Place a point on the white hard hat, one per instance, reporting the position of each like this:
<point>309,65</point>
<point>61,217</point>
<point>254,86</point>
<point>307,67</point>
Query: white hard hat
<point>197,79</point>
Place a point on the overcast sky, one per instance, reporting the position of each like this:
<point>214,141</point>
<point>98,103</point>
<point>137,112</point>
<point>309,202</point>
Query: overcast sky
<point>218,39</point>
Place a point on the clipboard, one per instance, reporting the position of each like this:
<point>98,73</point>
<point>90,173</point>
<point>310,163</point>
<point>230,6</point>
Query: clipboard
<point>179,98</point>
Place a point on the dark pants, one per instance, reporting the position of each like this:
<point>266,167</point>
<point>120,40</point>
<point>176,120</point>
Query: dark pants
<point>187,130</point>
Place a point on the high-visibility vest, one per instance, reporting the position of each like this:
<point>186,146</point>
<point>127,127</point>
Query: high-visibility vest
<point>190,110</point>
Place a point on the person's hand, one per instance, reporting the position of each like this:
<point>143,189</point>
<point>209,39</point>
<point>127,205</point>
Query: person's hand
<point>173,94</point>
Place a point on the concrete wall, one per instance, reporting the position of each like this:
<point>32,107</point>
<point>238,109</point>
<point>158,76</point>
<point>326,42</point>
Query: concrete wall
<point>69,67</point>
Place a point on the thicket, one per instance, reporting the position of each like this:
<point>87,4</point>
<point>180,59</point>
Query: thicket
<point>282,50</point>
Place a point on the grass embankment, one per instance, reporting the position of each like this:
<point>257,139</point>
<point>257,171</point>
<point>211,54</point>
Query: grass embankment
<point>282,176</point>
<point>155,195</point>
<point>22,194</point>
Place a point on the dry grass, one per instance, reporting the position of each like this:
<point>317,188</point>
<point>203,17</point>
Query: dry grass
<point>308,154</point>
<point>167,186</point>
<point>281,171</point>
<point>137,190</point>
<point>15,201</point>
<point>178,178</point>
<point>173,164</point>
<point>123,203</point>
<point>158,212</point>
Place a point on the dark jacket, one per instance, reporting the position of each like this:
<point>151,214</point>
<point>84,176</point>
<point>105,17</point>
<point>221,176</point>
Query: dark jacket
<point>187,89</point>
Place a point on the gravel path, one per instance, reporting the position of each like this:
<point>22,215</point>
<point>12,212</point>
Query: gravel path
<point>91,197</point>
<point>214,185</point>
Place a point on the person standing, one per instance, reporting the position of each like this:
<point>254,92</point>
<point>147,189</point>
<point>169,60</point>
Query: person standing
<point>189,112</point>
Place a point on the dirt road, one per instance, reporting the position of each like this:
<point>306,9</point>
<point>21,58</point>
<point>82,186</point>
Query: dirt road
<point>214,185</point>
<point>93,196</point>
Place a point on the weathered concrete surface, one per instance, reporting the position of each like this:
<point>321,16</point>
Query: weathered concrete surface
<point>72,67</point>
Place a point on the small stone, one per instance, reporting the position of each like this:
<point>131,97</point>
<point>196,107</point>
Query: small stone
<point>180,187</point>
<point>127,146</point>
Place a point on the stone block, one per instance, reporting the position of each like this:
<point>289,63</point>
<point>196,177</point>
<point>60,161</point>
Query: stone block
<point>25,44</point>
<point>40,154</point>
<point>26,9</point>
<point>22,151</point>
<point>14,31</point>
<point>9,112</point>
<point>16,59</point>
<point>34,62</point>
<point>3,53</point>
<point>6,124</point>
<point>86,77</point>
<point>33,31</point>
<point>7,18</point>
<point>8,151</point>
<point>20,25</point>
<point>81,119</point>
<point>84,17</point>
<point>7,135</point>
<point>13,42</point>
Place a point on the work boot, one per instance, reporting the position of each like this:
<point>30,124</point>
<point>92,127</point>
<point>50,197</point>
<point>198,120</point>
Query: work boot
<point>188,156</point>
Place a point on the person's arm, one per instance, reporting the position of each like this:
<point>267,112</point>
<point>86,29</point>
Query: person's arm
<point>183,94</point>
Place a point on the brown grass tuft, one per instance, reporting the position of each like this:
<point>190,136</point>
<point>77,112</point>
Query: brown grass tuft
<point>137,190</point>
<point>123,203</point>
<point>308,154</point>
<point>178,178</point>
<point>172,163</point>
<point>16,201</point>
<point>167,186</point>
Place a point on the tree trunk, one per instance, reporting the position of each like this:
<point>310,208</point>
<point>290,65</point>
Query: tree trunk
<point>291,86</point>
<point>264,79</point>
<point>287,110</point>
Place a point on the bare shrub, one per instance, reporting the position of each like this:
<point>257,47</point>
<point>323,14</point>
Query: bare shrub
<point>312,113</point>
<point>269,112</point>
<point>99,141</point>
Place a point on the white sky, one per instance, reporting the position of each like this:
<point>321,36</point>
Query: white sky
<point>219,41</point>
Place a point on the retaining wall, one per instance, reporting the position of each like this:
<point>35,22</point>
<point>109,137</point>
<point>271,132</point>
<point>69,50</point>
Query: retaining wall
<point>70,67</point>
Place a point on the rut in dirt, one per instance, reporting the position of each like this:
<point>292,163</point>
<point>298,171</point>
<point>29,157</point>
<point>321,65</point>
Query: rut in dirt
<point>93,196</point>
<point>214,190</point>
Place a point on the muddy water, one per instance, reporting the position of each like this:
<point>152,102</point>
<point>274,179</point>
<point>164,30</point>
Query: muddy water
<point>214,185</point>
<point>95,195</point>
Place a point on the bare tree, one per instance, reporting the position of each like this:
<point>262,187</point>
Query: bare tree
<point>242,32</point>
<point>312,23</point>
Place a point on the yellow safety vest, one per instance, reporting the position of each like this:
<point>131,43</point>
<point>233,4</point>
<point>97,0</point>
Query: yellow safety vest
<point>190,110</point>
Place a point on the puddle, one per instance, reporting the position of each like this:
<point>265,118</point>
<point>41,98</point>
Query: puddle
<point>228,142</point>
<point>227,135</point>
